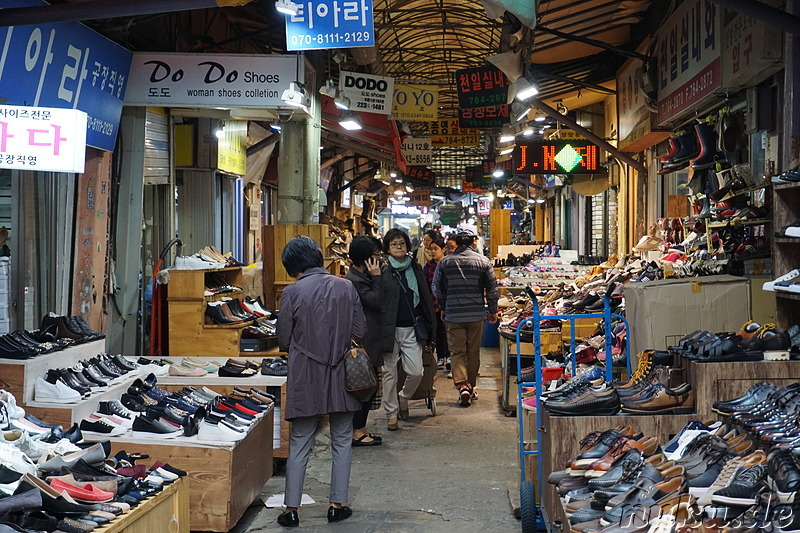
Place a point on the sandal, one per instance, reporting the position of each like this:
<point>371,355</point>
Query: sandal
<point>361,442</point>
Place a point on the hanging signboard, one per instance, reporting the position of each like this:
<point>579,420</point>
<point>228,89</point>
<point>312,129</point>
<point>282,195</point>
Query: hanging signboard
<point>42,138</point>
<point>372,94</point>
<point>211,80</point>
<point>688,53</point>
<point>415,102</point>
<point>417,151</point>
<point>447,132</point>
<point>484,207</point>
<point>420,197</point>
<point>67,66</point>
<point>750,52</point>
<point>232,148</point>
<point>420,176</point>
<point>324,24</point>
<point>559,157</point>
<point>481,87</point>
<point>493,116</point>
<point>474,180</point>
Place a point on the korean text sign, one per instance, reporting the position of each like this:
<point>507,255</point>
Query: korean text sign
<point>481,86</point>
<point>556,157</point>
<point>65,66</point>
<point>447,132</point>
<point>688,51</point>
<point>323,24</point>
<point>417,150</point>
<point>211,80</point>
<point>372,94</point>
<point>415,102</point>
<point>42,138</point>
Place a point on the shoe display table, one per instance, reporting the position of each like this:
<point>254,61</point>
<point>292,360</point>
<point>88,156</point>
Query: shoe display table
<point>224,478</point>
<point>166,511</point>
<point>723,381</point>
<point>562,434</point>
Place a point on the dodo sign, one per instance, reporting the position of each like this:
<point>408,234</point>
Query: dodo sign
<point>372,94</point>
<point>210,80</point>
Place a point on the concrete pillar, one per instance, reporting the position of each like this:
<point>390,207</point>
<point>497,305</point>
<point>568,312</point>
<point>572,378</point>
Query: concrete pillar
<point>291,172</point>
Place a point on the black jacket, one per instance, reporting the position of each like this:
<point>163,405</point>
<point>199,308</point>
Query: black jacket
<point>391,299</point>
<point>370,290</point>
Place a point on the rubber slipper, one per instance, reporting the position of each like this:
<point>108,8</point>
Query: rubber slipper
<point>361,442</point>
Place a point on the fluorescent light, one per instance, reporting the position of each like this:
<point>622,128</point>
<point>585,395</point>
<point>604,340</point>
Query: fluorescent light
<point>540,200</point>
<point>506,138</point>
<point>531,201</point>
<point>392,174</point>
<point>540,119</point>
<point>526,89</point>
<point>527,132</point>
<point>350,122</point>
<point>507,151</point>
<point>295,96</point>
<point>520,111</point>
<point>342,102</point>
<point>275,126</point>
<point>287,7</point>
<point>498,173</point>
<point>541,131</point>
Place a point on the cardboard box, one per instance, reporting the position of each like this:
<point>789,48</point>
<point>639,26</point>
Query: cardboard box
<point>670,308</point>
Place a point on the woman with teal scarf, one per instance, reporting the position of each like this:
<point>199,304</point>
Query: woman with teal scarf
<point>406,297</point>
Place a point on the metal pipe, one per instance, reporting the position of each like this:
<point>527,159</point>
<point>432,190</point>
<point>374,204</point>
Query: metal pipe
<point>579,83</point>
<point>594,42</point>
<point>103,9</point>
<point>770,15</point>
<point>599,141</point>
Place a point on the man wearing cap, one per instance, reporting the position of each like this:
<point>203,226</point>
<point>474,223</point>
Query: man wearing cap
<point>464,284</point>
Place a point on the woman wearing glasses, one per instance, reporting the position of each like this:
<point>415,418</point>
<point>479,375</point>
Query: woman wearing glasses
<point>406,299</point>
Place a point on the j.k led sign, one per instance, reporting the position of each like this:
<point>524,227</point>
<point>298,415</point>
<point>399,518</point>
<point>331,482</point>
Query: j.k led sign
<point>556,157</point>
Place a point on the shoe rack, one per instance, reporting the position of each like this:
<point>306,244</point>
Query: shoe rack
<point>274,238</point>
<point>190,332</point>
<point>170,506</point>
<point>786,250</point>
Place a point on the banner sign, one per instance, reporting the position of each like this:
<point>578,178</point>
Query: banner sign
<point>481,87</point>
<point>66,66</point>
<point>421,176</point>
<point>421,197</point>
<point>42,138</point>
<point>484,207</point>
<point>210,80</point>
<point>232,148</point>
<point>750,52</point>
<point>633,115</point>
<point>415,102</point>
<point>324,24</point>
<point>447,132</point>
<point>688,52</point>
<point>417,150</point>
<point>492,116</point>
<point>372,94</point>
<point>475,180</point>
<point>556,157</point>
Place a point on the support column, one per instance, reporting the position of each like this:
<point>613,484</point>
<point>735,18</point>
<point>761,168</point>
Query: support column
<point>291,172</point>
<point>312,163</point>
<point>790,149</point>
<point>123,306</point>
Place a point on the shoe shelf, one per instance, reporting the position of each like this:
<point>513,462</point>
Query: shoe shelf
<point>222,296</point>
<point>189,333</point>
<point>739,222</point>
<point>170,506</point>
<point>787,240</point>
<point>786,185</point>
<point>786,210</point>
<point>18,376</point>
<point>223,479</point>
<point>747,190</point>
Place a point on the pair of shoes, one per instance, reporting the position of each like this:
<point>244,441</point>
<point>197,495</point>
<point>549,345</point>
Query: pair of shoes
<point>289,519</point>
<point>361,442</point>
<point>403,410</point>
<point>465,396</point>
<point>337,514</point>
<point>392,424</point>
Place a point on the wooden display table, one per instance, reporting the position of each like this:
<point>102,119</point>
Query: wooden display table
<point>224,479</point>
<point>168,511</point>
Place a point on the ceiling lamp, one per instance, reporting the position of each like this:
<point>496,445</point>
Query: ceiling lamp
<point>295,95</point>
<point>526,88</point>
<point>498,173</point>
<point>506,135</point>
<point>540,119</point>
<point>519,111</point>
<point>350,122</point>
<point>329,89</point>
<point>287,7</point>
<point>342,102</point>
<point>528,131</point>
<point>275,126</point>
<point>507,151</point>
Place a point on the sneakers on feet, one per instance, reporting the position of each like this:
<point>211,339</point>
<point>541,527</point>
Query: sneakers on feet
<point>465,395</point>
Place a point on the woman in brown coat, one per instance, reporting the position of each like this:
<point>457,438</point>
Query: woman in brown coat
<point>319,315</point>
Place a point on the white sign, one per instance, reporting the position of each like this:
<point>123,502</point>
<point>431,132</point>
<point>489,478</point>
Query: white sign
<point>211,80</point>
<point>417,151</point>
<point>42,138</point>
<point>372,94</point>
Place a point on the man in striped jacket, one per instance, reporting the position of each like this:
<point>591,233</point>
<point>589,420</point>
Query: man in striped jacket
<point>464,285</point>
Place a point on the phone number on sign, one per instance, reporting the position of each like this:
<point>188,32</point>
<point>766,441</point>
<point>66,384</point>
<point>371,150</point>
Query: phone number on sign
<point>331,38</point>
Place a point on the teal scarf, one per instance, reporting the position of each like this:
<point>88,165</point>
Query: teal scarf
<point>411,278</point>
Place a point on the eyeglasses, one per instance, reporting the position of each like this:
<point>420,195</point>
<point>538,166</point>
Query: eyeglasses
<point>397,244</point>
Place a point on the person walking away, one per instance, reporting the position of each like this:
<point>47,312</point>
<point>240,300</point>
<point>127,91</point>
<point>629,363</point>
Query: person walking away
<point>406,296</point>
<point>365,275</point>
<point>320,314</point>
<point>436,249</point>
<point>464,284</point>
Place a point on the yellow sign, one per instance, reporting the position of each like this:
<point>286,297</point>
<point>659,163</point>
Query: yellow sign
<point>231,149</point>
<point>564,135</point>
<point>415,102</point>
<point>447,133</point>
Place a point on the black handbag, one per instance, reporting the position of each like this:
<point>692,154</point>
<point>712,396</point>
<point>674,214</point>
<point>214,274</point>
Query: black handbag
<point>360,379</point>
<point>422,330</point>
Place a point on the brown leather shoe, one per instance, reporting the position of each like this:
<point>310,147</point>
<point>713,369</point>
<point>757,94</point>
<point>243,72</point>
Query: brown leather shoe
<point>661,398</point>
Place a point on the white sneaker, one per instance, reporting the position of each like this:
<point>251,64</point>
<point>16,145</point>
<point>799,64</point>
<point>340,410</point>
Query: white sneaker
<point>44,391</point>
<point>158,370</point>
<point>14,459</point>
<point>193,262</point>
<point>770,285</point>
<point>219,432</point>
<point>166,474</point>
<point>11,405</point>
<point>24,443</point>
<point>61,447</point>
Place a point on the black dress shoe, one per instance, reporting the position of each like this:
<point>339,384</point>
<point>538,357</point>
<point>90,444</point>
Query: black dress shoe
<point>292,519</point>
<point>339,514</point>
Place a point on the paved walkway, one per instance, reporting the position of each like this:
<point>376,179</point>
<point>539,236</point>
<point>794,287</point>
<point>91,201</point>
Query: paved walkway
<point>455,472</point>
